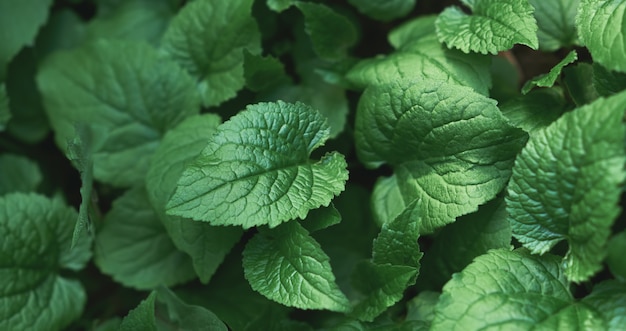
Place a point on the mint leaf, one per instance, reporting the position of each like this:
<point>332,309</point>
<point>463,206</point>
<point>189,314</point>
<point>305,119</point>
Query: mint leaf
<point>206,245</point>
<point>472,235</point>
<point>140,20</point>
<point>36,234</point>
<point>64,30</point>
<point>412,32</point>
<point>5,113</point>
<point>127,92</point>
<point>466,147</point>
<point>609,299</point>
<point>535,110</point>
<point>332,34</point>
<point>490,292</point>
<point>547,80</point>
<point>387,200</point>
<point>396,243</point>
<point>173,312</point>
<point>614,258</point>
<point>578,80</point>
<point>133,247</point>
<point>79,151</point>
<point>384,10</point>
<point>422,307</point>
<point>20,174</point>
<point>142,317</point>
<point>208,38</point>
<point>264,176</point>
<point>263,73</point>
<point>288,266</point>
<point>557,23</point>
<point>279,5</point>
<point>19,23</point>
<point>578,161</point>
<point>321,218</point>
<point>495,25</point>
<point>608,82</point>
<point>601,29</point>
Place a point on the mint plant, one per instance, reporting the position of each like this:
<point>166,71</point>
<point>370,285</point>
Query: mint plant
<point>312,165</point>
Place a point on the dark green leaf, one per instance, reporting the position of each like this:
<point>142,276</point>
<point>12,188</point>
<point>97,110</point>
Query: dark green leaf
<point>384,10</point>
<point>608,82</point>
<point>556,20</point>
<point>535,110</point>
<point>19,174</point>
<point>547,80</point>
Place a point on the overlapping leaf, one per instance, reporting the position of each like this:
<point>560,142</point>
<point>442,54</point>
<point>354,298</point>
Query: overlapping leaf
<point>556,20</point>
<point>547,80</point>
<point>601,28</point>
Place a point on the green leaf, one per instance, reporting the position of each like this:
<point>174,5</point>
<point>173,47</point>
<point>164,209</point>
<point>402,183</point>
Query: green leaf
<point>422,307</point>
<point>264,176</point>
<point>206,244</point>
<point>578,162</point>
<point>384,10</point>
<point>512,290</point>
<point>288,266</point>
<point>396,243</point>
<point>556,20</point>
<point>133,247</point>
<point>495,25</point>
<point>457,244</point>
<point>208,38</point>
<point>139,20</point>
<point>174,313</point>
<point>127,93</point>
<point>412,32</point>
<point>609,299</point>
<point>387,200</point>
<point>263,73</point>
<point>279,5</point>
<point>535,110</point>
<point>578,80</point>
<point>5,113</point>
<point>65,29</point>
<point>547,80</point>
<point>505,76</point>
<point>608,82</point>
<point>19,174</point>
<point>382,286</point>
<point>79,151</point>
<point>321,218</point>
<point>36,233</point>
<point>332,34</point>
<point>142,317</point>
<point>458,159</point>
<point>601,28</point>
<point>19,23</point>
<point>615,256</point>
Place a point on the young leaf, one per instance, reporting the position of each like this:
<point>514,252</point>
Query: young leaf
<point>601,29</point>
<point>396,243</point>
<point>206,244</point>
<point>615,256</point>
<point>412,32</point>
<point>142,317</point>
<point>207,38</point>
<point>547,80</point>
<point>79,150</point>
<point>387,200</point>
<point>535,110</point>
<point>5,114</point>
<point>321,218</point>
<point>495,25</point>
<point>19,23</point>
<point>19,174</point>
<point>133,247</point>
<point>256,169</point>
<point>36,234</point>
<point>174,312</point>
<point>263,73</point>
<point>128,94</point>
<point>288,266</point>
<point>384,10</point>
<point>458,159</point>
<point>332,34</point>
<point>577,161</point>
<point>556,20</point>
<point>279,5</point>
<point>608,82</point>
<point>512,290</point>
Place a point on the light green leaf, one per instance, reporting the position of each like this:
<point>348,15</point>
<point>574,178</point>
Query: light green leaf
<point>495,25</point>
<point>142,317</point>
<point>129,96</point>
<point>19,23</point>
<point>556,20</point>
<point>288,266</point>
<point>384,10</point>
<point>601,28</point>
<point>79,151</point>
<point>608,82</point>
<point>387,200</point>
<point>422,307</point>
<point>5,113</point>
<point>458,159</point>
<point>207,38</point>
<point>547,80</point>
<point>139,20</point>
<point>174,313</point>
<point>396,243</point>
<point>609,299</point>
<point>382,286</point>
<point>577,161</point>
<point>321,218</point>
<point>535,110</point>
<point>512,290</point>
<point>412,32</point>
<point>578,79</point>
<point>457,244</point>
<point>257,169</point>
<point>263,73</point>
<point>133,247</point>
<point>332,34</point>
<point>279,5</point>
<point>36,234</point>
<point>206,244</point>
<point>19,174</point>
<point>615,256</point>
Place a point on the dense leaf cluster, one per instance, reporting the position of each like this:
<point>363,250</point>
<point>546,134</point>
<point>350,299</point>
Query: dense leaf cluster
<point>280,165</point>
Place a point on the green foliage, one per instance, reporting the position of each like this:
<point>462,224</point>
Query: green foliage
<point>312,165</point>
